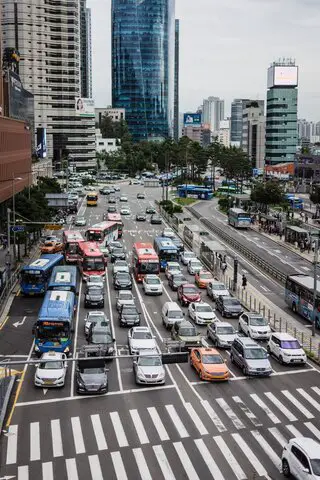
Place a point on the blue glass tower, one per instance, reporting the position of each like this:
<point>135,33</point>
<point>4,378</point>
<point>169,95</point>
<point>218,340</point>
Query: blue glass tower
<point>143,51</point>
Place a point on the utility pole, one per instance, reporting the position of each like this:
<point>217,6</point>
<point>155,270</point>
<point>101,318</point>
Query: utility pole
<point>9,243</point>
<point>315,281</point>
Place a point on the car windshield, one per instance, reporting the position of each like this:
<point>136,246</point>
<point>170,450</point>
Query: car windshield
<point>225,330</point>
<point>149,361</point>
<point>218,286</point>
<point>130,311</point>
<point>125,296</point>
<point>95,289</point>
<point>290,344</point>
<point>195,263</point>
<point>203,308</point>
<point>173,314</point>
<point>258,321</point>
<point>95,279</point>
<point>123,276</point>
<point>92,371</point>
<point>58,365</point>
<point>212,359</point>
<point>231,301</point>
<point>153,281</point>
<point>117,250</point>
<point>142,335</point>
<point>93,264</point>
<point>179,278</point>
<point>188,332</point>
<point>81,219</point>
<point>255,353</point>
<point>115,244</point>
<point>101,337</point>
<point>188,255</point>
<point>205,276</point>
<point>190,290</point>
<point>96,318</point>
<point>315,465</point>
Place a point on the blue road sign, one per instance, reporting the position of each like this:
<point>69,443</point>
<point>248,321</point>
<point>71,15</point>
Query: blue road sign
<point>17,228</point>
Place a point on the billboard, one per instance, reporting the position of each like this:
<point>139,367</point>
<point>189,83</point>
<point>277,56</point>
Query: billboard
<point>282,171</point>
<point>41,148</point>
<point>282,76</point>
<point>84,107</point>
<point>192,119</point>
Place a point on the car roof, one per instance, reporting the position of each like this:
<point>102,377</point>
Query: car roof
<point>248,342</point>
<point>188,285</point>
<point>151,275</point>
<point>283,336</point>
<point>171,305</point>
<point>172,264</point>
<point>223,324</point>
<point>208,350</point>
<point>185,323</point>
<point>253,314</point>
<point>201,304</point>
<point>51,356</point>
<point>151,351</point>
<point>219,283</point>
<point>96,312</point>
<point>309,445</point>
<point>141,329</point>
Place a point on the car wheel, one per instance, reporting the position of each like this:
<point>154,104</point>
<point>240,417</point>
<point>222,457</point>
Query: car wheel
<point>285,468</point>
<point>245,371</point>
<point>231,358</point>
<point>223,313</point>
<point>191,362</point>
<point>239,327</point>
<point>200,375</point>
<point>280,359</point>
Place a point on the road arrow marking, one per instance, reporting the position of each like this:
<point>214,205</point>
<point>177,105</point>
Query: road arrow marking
<point>18,324</point>
<point>44,392</point>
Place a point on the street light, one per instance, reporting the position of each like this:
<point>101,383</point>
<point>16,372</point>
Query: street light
<point>14,179</point>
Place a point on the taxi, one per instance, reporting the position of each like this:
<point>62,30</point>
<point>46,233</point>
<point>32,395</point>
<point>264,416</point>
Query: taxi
<point>209,364</point>
<point>51,247</point>
<point>202,278</point>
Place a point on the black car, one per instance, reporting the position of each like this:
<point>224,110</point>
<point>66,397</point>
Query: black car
<point>122,281</point>
<point>114,244</point>
<point>104,191</point>
<point>91,376</point>
<point>229,306</point>
<point>141,196</point>
<point>117,254</point>
<point>129,316</point>
<point>178,243</point>
<point>155,220</point>
<point>112,209</point>
<point>112,200</point>
<point>140,217</point>
<point>100,335</point>
<point>94,296</point>
<point>176,280</point>
<point>151,210</point>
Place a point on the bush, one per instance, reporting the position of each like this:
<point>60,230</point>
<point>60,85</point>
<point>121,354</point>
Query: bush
<point>223,203</point>
<point>170,207</point>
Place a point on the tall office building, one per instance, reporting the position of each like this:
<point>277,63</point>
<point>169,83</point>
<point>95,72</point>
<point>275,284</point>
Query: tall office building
<point>253,133</point>
<point>237,107</point>
<point>176,81</point>
<point>47,35</point>
<point>85,50</point>
<point>143,47</point>
<point>213,113</point>
<point>282,101</point>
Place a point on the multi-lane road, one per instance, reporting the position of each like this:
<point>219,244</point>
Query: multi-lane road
<point>186,429</point>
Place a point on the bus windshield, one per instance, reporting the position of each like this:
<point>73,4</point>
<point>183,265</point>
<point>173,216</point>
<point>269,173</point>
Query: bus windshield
<point>31,277</point>
<point>169,256</point>
<point>53,332</point>
<point>92,197</point>
<point>93,264</point>
<point>94,236</point>
<point>72,248</point>
<point>148,267</point>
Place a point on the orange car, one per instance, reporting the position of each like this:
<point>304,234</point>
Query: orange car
<point>51,247</point>
<point>202,278</point>
<point>209,364</point>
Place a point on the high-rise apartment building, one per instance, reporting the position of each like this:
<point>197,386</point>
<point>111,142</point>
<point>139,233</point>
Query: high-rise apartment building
<point>47,35</point>
<point>224,133</point>
<point>282,106</point>
<point>85,50</point>
<point>213,113</point>
<point>237,107</point>
<point>143,50</point>
<point>176,80</point>
<point>253,133</point>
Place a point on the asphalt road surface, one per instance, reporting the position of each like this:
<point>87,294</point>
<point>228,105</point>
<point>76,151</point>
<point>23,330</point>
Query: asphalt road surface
<point>186,429</point>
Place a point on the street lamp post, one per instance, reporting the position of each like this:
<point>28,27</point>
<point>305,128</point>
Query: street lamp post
<point>14,213</point>
<point>315,281</point>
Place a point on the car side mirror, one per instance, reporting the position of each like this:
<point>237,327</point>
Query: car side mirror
<point>36,365</point>
<point>106,369</point>
<point>306,470</point>
<point>134,362</point>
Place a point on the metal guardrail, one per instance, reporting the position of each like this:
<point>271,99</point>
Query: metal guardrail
<point>267,267</point>
<point>8,289</point>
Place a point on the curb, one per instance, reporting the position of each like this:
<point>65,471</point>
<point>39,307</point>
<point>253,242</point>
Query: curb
<point>6,401</point>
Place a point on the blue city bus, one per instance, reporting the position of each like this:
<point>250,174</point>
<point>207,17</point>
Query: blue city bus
<point>54,327</point>
<point>64,277</point>
<point>194,191</point>
<point>295,202</point>
<point>238,218</point>
<point>299,296</point>
<point>166,251</point>
<point>34,278</point>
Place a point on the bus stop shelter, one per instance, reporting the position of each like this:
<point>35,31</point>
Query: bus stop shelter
<point>240,200</point>
<point>296,234</point>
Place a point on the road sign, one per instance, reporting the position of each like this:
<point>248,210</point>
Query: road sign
<point>53,227</point>
<point>17,228</point>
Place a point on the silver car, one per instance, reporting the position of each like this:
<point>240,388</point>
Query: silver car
<point>95,316</point>
<point>186,256</point>
<point>120,266</point>
<point>250,357</point>
<point>125,297</point>
<point>222,334</point>
<point>141,338</point>
<point>148,368</point>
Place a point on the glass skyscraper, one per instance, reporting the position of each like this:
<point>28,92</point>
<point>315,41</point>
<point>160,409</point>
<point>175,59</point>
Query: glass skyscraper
<point>143,52</point>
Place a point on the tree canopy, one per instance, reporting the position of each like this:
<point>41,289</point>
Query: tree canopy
<point>267,193</point>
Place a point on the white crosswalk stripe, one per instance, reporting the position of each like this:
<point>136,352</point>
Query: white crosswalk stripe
<point>309,399</point>
<point>47,471</point>
<point>163,463</point>
<point>95,467</point>
<point>118,428</point>
<point>186,462</point>
<point>177,421</point>
<point>283,409</point>
<point>294,431</point>
<point>265,408</point>
<point>316,390</point>
<point>208,460</point>
<point>162,432</point>
<point>266,448</point>
<point>77,435</point>
<point>12,445</point>
<point>142,464</point>
<point>118,466</point>
<point>142,434</point>
<point>98,432</point>
<point>278,436</point>
<point>23,472</point>
<point>313,429</point>
<point>35,441</point>
<point>57,447</point>
<point>71,467</point>
<point>250,455</point>
<point>297,404</point>
<point>213,416</point>
<point>226,452</point>
<point>196,419</point>
<point>252,417</point>
<point>230,413</point>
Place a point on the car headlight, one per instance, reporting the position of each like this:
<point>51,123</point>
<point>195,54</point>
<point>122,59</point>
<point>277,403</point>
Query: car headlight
<point>36,348</point>
<point>81,384</point>
<point>60,378</point>
<point>140,374</point>
<point>110,350</point>
<point>66,350</point>
<point>38,378</point>
<point>161,375</point>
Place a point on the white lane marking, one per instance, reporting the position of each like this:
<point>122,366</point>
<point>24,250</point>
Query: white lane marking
<point>177,421</point>
<point>138,425</point>
<point>294,431</point>
<point>283,409</point>
<point>72,471</point>
<point>196,419</point>
<point>118,429</point>
<point>23,473</point>
<point>12,445</point>
<point>309,399</point>
<point>231,460</point>
<point>265,408</point>
<point>250,455</point>
<point>264,288</point>
<point>77,435</point>
<point>213,416</point>
<point>316,390</point>
<point>189,383</point>
<point>34,441</point>
<point>98,432</point>
<point>313,429</point>
<point>297,404</point>
<point>95,467</point>
<point>47,471</point>
<point>230,413</point>
<point>57,448</point>
<point>208,460</point>
<point>155,417</point>
<point>266,448</point>
<point>278,436</point>
<point>73,367</point>
<point>118,466</point>
<point>186,462</point>
<point>112,324</point>
<point>247,411</point>
<point>142,464</point>
<point>163,463</point>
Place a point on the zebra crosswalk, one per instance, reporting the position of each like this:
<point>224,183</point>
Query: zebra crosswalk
<point>225,438</point>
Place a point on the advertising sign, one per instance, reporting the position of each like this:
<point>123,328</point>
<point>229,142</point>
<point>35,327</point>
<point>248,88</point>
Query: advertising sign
<point>84,107</point>
<point>41,142</point>
<point>21,102</point>
<point>282,171</point>
<point>282,76</point>
<point>192,119</point>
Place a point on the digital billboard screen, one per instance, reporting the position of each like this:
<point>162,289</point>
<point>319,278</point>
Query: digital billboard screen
<point>41,142</point>
<point>84,107</point>
<point>283,76</point>
<point>192,119</point>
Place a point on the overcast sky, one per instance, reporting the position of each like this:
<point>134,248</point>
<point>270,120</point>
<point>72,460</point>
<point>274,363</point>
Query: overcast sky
<point>226,47</point>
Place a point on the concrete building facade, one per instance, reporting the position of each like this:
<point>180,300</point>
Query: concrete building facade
<point>85,50</point>
<point>224,133</point>
<point>253,134</point>
<point>213,113</point>
<point>176,81</point>
<point>116,114</point>
<point>237,107</point>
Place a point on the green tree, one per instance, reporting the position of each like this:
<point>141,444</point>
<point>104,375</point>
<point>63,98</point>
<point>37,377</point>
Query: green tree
<point>315,198</point>
<point>214,152</point>
<point>267,193</point>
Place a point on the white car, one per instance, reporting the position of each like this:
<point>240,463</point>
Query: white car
<point>117,188</point>
<point>194,266</point>
<point>148,368</point>
<point>168,232</point>
<point>254,325</point>
<point>172,267</point>
<point>125,211</point>
<point>201,313</point>
<point>301,459</point>
<point>120,266</point>
<point>286,348</point>
<point>123,198</point>
<point>152,285</point>
<point>95,316</point>
<point>125,297</point>
<point>217,289</point>
<point>141,338</point>
<point>186,256</point>
<point>96,280</point>
<point>51,371</point>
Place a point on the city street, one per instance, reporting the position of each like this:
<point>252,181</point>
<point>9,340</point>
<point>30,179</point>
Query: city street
<point>186,429</point>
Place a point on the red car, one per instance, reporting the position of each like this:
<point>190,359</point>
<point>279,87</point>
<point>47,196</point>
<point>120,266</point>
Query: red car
<point>188,293</point>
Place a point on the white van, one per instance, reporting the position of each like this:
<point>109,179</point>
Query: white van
<point>171,313</point>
